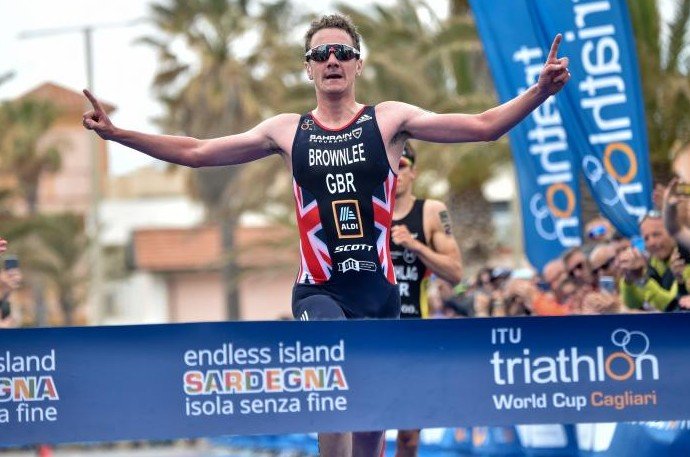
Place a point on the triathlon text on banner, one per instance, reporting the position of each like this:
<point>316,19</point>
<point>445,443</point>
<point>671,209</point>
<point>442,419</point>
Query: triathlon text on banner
<point>194,380</point>
<point>596,124</point>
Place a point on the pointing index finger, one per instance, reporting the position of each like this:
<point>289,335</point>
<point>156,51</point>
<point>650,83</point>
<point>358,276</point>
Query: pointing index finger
<point>554,48</point>
<point>92,99</point>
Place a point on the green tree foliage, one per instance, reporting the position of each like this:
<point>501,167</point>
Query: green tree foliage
<point>664,66</point>
<point>225,88</point>
<point>22,155</point>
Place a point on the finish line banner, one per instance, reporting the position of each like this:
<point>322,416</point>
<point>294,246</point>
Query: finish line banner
<point>200,380</point>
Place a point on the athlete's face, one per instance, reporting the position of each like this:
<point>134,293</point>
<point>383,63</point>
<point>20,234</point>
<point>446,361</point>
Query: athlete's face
<point>406,175</point>
<point>333,75</point>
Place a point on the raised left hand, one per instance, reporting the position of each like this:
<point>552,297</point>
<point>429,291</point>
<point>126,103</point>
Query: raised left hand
<point>555,73</point>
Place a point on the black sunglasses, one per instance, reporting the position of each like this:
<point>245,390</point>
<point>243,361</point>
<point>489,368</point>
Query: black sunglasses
<point>577,266</point>
<point>604,266</point>
<point>322,52</point>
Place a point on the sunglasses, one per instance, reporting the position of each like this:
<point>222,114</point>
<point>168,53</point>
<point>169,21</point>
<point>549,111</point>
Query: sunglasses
<point>322,52</point>
<point>577,266</point>
<point>604,266</point>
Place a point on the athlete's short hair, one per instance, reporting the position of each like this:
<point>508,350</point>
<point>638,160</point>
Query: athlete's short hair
<point>332,21</point>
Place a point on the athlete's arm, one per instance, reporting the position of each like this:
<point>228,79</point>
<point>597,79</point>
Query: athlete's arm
<point>230,150</point>
<point>444,259</point>
<point>442,254</point>
<point>491,124</point>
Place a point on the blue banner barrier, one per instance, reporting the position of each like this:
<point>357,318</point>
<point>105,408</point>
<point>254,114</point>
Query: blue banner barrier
<point>595,125</point>
<point>545,163</point>
<point>602,105</point>
<point>192,380</point>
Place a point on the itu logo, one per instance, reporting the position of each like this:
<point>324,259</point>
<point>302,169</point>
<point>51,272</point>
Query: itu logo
<point>634,345</point>
<point>552,223</point>
<point>615,178</point>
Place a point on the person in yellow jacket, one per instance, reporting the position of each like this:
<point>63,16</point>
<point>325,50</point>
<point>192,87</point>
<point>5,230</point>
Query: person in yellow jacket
<point>657,282</point>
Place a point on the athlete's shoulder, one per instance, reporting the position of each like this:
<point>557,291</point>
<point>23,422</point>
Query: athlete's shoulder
<point>284,119</point>
<point>434,211</point>
<point>279,131</point>
<point>397,115</point>
<point>434,205</point>
<point>394,107</point>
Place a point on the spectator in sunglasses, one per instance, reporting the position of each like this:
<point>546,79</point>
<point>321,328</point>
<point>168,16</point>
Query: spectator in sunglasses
<point>344,158</point>
<point>602,260</point>
<point>577,266</point>
<point>599,229</point>
<point>658,279</point>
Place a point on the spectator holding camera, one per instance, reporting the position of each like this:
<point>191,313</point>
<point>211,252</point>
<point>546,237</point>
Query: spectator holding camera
<point>602,260</point>
<point>654,280</point>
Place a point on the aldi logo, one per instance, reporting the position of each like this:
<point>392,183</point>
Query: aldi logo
<point>348,220</point>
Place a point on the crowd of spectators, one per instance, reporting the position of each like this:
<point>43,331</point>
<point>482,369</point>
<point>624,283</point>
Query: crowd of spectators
<point>608,274</point>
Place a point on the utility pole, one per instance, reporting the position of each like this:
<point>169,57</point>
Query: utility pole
<point>96,270</point>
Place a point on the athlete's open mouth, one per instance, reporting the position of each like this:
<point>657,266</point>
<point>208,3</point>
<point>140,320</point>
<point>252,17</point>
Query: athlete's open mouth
<point>334,76</point>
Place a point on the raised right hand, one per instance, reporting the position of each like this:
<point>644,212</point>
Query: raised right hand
<point>97,119</point>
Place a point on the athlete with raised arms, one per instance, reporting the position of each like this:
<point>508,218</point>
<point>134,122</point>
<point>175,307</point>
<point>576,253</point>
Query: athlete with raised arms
<point>344,157</point>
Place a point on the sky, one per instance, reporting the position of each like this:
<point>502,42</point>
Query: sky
<point>123,69</point>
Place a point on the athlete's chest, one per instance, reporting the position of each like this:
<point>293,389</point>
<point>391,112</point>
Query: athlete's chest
<point>346,161</point>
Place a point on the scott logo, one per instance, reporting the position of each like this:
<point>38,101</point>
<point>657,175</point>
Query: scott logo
<point>348,221</point>
<point>354,247</point>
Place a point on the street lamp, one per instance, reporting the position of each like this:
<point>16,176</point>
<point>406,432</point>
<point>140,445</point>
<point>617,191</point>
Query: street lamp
<point>93,222</point>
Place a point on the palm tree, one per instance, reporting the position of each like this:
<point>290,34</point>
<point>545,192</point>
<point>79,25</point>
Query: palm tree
<point>22,123</point>
<point>65,246</point>
<point>227,90</point>
<point>24,158</point>
<point>665,72</point>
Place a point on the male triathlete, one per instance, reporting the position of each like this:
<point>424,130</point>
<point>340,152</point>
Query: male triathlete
<point>346,199</point>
